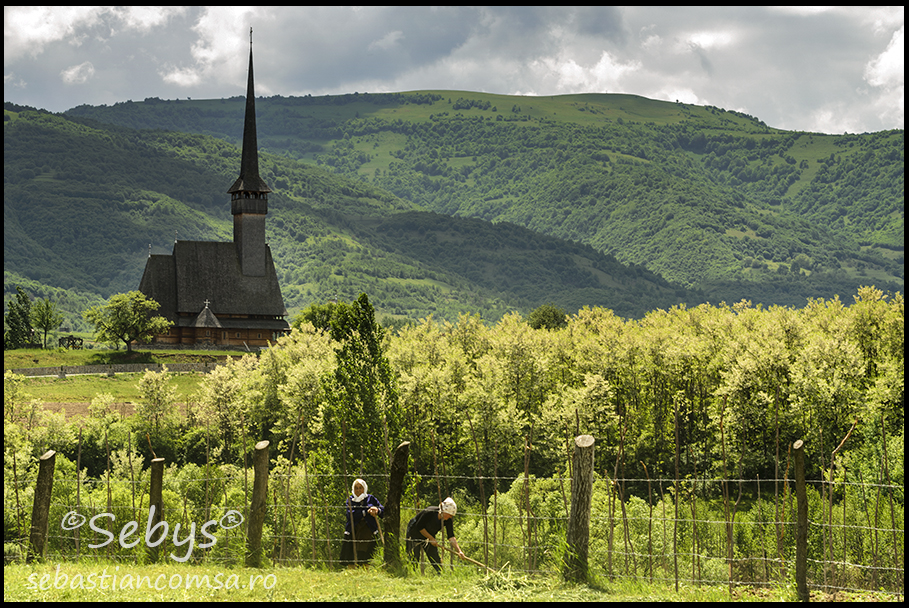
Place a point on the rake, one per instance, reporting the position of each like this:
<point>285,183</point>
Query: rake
<point>464,557</point>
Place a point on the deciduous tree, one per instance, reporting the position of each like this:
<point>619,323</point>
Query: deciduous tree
<point>46,317</point>
<point>126,317</point>
<point>547,316</point>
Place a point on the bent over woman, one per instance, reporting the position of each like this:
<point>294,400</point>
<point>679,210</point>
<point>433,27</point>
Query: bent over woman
<point>422,529</point>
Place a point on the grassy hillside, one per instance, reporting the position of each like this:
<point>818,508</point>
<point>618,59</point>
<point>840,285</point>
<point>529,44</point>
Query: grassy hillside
<point>699,195</point>
<point>84,202</point>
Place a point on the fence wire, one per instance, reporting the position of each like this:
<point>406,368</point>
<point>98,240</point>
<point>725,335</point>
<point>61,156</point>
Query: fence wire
<point>852,547</point>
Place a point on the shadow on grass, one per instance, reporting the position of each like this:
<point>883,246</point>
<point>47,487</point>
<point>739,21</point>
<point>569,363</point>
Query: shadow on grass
<point>114,357</point>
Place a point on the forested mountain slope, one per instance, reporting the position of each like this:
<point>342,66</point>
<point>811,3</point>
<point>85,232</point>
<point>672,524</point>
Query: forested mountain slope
<point>702,196</point>
<point>83,202</point>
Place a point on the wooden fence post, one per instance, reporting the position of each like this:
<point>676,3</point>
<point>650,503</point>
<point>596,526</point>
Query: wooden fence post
<point>155,500</point>
<point>801,537</point>
<point>257,510</point>
<point>392,554</point>
<point>575,568</point>
<point>37,540</point>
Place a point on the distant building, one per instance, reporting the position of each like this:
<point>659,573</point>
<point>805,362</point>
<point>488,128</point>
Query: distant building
<point>224,294</point>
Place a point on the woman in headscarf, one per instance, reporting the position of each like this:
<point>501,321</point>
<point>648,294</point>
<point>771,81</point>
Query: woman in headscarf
<point>361,527</point>
<point>422,530</point>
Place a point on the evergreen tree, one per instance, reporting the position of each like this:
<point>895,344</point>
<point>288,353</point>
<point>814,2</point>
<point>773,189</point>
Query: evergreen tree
<point>362,399</point>
<point>18,321</point>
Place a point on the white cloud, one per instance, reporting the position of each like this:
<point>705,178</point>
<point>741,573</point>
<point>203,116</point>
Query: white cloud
<point>182,77</point>
<point>219,51</point>
<point>710,40</point>
<point>834,117</point>
<point>609,72</point>
<point>27,30</point>
<point>389,40</point>
<point>887,69</point>
<point>792,67</point>
<point>886,73</point>
<point>78,74</point>
<point>144,18</point>
<point>568,76</point>
<point>652,42</point>
<point>682,94</point>
<point>13,80</point>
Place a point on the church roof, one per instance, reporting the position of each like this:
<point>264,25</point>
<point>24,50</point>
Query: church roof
<point>206,318</point>
<point>206,270</point>
<point>249,180</point>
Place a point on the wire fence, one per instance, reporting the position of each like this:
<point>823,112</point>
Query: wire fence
<point>645,529</point>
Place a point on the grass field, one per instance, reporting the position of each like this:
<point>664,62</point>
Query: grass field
<point>181,582</point>
<point>36,357</point>
<point>83,582</point>
<point>80,390</point>
<point>123,387</point>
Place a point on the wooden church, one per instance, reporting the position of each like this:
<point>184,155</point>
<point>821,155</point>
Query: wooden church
<point>224,294</point>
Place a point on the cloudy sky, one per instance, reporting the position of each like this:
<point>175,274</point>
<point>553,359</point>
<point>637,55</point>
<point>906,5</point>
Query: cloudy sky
<point>830,69</point>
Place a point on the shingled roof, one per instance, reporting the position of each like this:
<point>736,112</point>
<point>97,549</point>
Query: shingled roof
<point>207,318</point>
<point>249,180</point>
<point>205,270</point>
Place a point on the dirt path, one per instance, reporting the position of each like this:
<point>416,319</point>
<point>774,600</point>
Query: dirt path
<point>80,408</point>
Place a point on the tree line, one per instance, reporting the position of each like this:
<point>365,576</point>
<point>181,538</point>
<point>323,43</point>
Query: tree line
<point>124,319</point>
<point>717,391</point>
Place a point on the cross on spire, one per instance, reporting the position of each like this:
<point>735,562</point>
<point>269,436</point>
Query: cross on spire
<point>206,302</point>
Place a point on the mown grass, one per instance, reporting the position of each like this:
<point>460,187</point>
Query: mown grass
<point>182,582</point>
<point>24,358</point>
<point>123,387</point>
<point>71,582</point>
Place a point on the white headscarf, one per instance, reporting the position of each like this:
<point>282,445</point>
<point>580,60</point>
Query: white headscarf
<point>353,492</point>
<point>449,506</point>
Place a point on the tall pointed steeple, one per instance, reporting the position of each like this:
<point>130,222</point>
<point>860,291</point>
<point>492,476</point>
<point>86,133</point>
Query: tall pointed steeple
<point>249,180</point>
<point>249,194</point>
<point>224,293</point>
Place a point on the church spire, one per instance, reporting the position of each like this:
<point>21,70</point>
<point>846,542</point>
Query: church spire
<point>249,180</point>
<point>249,194</point>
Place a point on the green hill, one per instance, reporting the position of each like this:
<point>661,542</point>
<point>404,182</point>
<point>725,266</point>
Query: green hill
<point>84,202</point>
<point>609,200</point>
<point>699,195</point>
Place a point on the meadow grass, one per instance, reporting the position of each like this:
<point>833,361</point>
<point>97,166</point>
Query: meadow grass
<point>110,581</point>
<point>24,358</point>
<point>123,387</point>
<point>181,582</point>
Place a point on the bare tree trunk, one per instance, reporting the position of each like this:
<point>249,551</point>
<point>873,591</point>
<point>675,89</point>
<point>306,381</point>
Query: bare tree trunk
<point>392,530</point>
<point>579,520</point>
